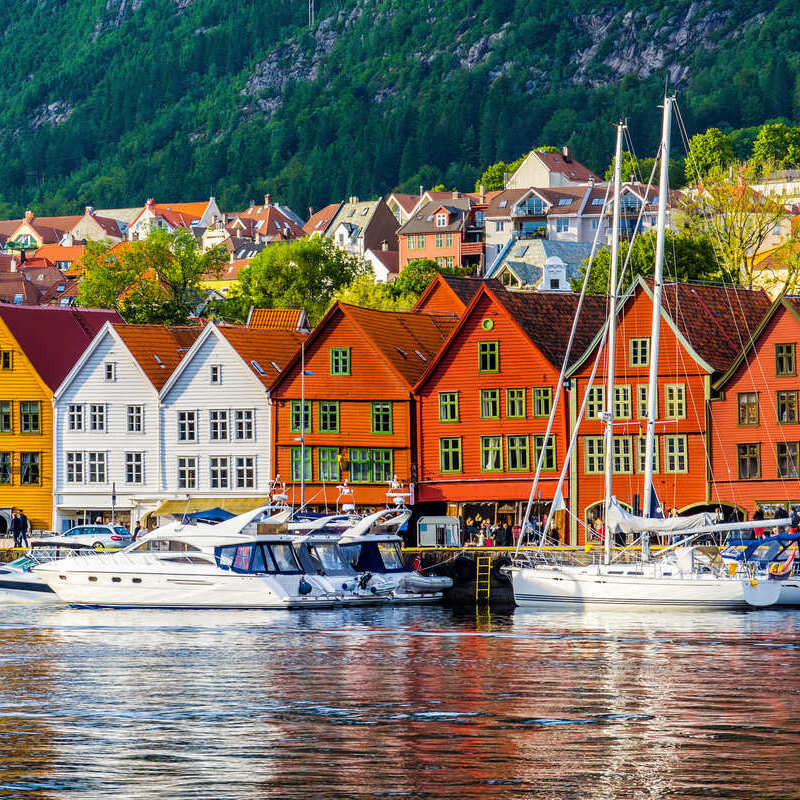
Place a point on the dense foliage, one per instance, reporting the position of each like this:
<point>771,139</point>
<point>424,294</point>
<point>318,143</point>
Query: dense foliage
<point>108,102</point>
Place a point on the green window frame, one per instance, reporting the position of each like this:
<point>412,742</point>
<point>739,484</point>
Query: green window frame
<point>29,469</point>
<point>549,463</point>
<point>622,402</point>
<point>641,401</point>
<point>641,454</point>
<point>518,454</point>
<point>622,455</point>
<point>448,406</point>
<point>675,401</point>
<point>328,464</point>
<point>748,457</point>
<point>747,403</point>
<point>676,453</point>
<point>295,459</point>
<point>490,404</point>
<point>365,464</point>
<point>639,352</point>
<point>593,455</point>
<point>515,403</point>
<point>785,361</point>
<point>542,401</point>
<point>340,360</point>
<point>5,416</point>
<point>382,417</point>
<point>450,455</point>
<point>300,416</point>
<point>328,416</point>
<point>5,469</point>
<point>596,403</point>
<point>786,407</point>
<point>491,453</point>
<point>382,465</point>
<point>488,356</point>
<point>29,417</point>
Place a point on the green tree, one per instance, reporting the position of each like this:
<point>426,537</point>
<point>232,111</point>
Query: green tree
<point>494,176</point>
<point>686,258</point>
<point>302,274</point>
<point>365,291</point>
<point>778,145</point>
<point>710,150</point>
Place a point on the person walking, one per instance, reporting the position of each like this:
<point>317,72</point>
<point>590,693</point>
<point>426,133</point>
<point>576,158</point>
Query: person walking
<point>137,530</point>
<point>24,529</point>
<point>794,525</point>
<point>758,516</point>
<point>15,527</point>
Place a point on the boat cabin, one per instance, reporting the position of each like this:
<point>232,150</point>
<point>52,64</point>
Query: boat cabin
<point>261,557</point>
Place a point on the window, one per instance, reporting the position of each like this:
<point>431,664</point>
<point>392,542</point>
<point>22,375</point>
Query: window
<point>499,225</point>
<point>488,357</point>
<point>748,408</point>
<point>75,417</point>
<point>440,240</point>
<point>491,454</point>
<point>448,406</point>
<point>187,426</point>
<point>245,472</point>
<point>5,416</point>
<point>593,462</point>
<point>517,453</point>
<point>622,456</point>
<point>218,472</point>
<point>641,401</point>
<point>218,425</point>
<point>542,401</point>
<point>420,241</point>
<point>297,455</point>
<point>515,403</point>
<point>641,453</point>
<point>187,472</point>
<point>370,466</point>
<point>74,467</point>
<point>329,464</point>
<point>639,352</point>
<point>215,373</point>
<point>243,419</point>
<point>110,371</point>
<point>29,469</point>
<point>562,225</point>
<point>441,220</point>
<point>596,403</point>
<point>382,465</point>
<point>549,463</point>
<point>135,419</point>
<point>29,417</point>
<point>329,416</point>
<point>749,458</point>
<point>5,359</point>
<point>97,417</point>
<point>445,261</point>
<point>787,459</point>
<point>340,360</point>
<point>787,407</point>
<point>382,418</point>
<point>675,401</point>
<point>675,453</point>
<point>5,469</point>
<point>97,467</point>
<point>448,240</point>
<point>301,416</point>
<point>134,467</point>
<point>622,402</point>
<point>490,403</point>
<point>784,359</point>
<point>450,455</point>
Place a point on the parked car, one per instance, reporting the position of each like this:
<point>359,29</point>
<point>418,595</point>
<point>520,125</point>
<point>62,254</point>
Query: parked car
<point>100,537</point>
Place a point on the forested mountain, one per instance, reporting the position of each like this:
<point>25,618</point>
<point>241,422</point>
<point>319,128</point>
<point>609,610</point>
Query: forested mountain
<point>111,101</point>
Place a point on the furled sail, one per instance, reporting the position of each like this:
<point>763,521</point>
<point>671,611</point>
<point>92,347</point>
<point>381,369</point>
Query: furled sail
<point>621,521</point>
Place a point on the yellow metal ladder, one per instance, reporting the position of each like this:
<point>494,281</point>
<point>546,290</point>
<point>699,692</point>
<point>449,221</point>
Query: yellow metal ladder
<point>483,577</point>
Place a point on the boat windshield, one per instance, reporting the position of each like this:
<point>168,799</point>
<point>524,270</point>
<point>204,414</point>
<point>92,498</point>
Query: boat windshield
<point>165,546</point>
<point>285,559</point>
<point>374,556</point>
<point>329,557</point>
<point>257,558</point>
<point>390,553</point>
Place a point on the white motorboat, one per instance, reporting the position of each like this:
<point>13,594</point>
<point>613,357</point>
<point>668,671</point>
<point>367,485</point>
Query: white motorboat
<point>774,558</point>
<point>227,565</point>
<point>372,547</point>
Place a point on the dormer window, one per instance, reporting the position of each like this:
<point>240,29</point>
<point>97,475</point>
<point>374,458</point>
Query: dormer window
<point>110,371</point>
<point>441,220</point>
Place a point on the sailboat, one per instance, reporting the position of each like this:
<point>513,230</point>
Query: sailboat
<point>684,575</point>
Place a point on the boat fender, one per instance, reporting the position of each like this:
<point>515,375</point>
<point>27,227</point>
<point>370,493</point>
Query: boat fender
<point>305,587</point>
<point>373,590</point>
<point>753,582</point>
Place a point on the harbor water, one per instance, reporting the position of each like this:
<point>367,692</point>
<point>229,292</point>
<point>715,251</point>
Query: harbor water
<point>398,703</point>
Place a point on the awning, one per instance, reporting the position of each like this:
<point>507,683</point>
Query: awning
<point>236,505</point>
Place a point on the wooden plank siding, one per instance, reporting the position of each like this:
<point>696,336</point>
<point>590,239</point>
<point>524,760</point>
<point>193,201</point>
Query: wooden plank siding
<point>757,374</point>
<point>18,385</point>
<point>677,365</point>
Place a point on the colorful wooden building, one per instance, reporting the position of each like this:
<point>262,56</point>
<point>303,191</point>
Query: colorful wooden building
<point>755,446</point>
<point>358,423</point>
<point>702,330</point>
<point>483,404</point>
<point>451,294</point>
<point>38,347</point>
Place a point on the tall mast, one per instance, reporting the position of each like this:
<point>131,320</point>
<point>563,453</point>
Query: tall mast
<point>612,338</point>
<point>658,281</point>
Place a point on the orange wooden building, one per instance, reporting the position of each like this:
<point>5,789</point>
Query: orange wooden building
<point>448,293</point>
<point>359,416</point>
<point>701,332</point>
<point>755,447</point>
<point>484,402</point>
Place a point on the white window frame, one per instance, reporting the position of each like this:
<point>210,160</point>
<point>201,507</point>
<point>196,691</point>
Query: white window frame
<point>97,467</point>
<point>110,372</point>
<point>245,472</point>
<point>187,468</point>
<point>242,418</point>
<point>131,414</point>
<point>75,417</point>
<point>215,374</point>
<point>97,417</point>
<point>134,461</point>
<point>218,424</point>
<point>187,424</point>
<point>219,470</point>
<point>74,471</point>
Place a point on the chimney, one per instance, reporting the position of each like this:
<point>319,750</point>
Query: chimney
<point>483,194</point>
<point>28,215</point>
<point>566,152</point>
<point>353,199</point>
<point>267,199</point>
<point>384,245</point>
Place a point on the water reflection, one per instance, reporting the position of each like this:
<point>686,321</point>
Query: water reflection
<point>417,703</point>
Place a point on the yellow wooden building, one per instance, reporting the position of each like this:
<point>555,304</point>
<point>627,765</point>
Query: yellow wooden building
<point>38,347</point>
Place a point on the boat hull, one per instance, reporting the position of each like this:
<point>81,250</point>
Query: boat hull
<point>23,588</point>
<point>543,586</point>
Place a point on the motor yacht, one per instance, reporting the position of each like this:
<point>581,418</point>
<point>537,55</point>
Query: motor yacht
<point>774,558</point>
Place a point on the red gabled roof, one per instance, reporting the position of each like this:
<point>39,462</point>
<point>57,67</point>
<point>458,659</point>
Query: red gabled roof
<point>60,252</point>
<point>53,339</point>
<point>572,169</point>
<point>319,221</point>
<point>406,201</point>
<point>389,258</point>
<point>13,284</point>
<point>264,350</point>
<point>461,289</point>
<point>277,319</point>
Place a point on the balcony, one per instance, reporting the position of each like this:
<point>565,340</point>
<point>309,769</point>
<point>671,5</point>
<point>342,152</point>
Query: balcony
<point>529,210</point>
<point>472,248</point>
